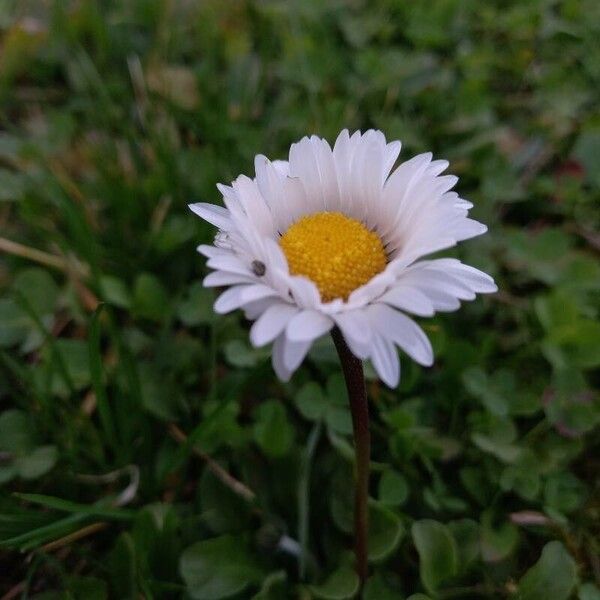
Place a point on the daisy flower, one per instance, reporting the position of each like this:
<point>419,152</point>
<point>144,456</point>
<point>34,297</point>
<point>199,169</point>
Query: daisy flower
<point>336,238</point>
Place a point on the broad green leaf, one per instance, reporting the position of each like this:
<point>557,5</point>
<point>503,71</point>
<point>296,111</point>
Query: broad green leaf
<point>115,292</point>
<point>16,432</point>
<point>311,402</point>
<point>272,430</point>
<point>377,588</point>
<point>196,308</point>
<point>578,342</point>
<point>240,354</point>
<point>218,568</point>
<point>438,554</point>
<point>466,533</point>
<point>553,576</point>
<point>587,150</point>
<point>564,492</point>
<point>158,398</point>
<point>588,591</point>
<point>393,488</point>
<point>150,299</point>
<point>385,532</point>
<point>341,585</point>
<point>222,510</point>
<point>12,185</point>
<point>36,463</point>
<point>75,356</point>
<point>338,419</point>
<point>38,289</point>
<point>273,587</point>
<point>14,323</point>
<point>497,542</point>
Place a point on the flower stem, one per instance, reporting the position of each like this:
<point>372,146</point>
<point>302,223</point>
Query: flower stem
<point>357,394</point>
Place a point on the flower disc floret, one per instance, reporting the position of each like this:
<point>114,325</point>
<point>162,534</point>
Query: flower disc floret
<point>336,252</point>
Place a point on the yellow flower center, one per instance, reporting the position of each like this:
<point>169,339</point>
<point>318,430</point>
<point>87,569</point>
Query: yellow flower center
<point>337,252</point>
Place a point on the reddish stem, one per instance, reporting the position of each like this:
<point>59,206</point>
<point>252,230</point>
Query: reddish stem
<point>357,394</point>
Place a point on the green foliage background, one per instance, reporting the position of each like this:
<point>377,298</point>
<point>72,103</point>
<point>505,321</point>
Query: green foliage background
<point>113,116</point>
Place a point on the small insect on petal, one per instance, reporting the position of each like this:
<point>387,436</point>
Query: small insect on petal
<point>259,268</point>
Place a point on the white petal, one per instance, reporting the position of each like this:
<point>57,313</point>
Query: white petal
<point>210,251</point>
<point>282,167</point>
<point>409,299</point>
<point>304,165</point>
<point>304,292</point>
<point>331,192</point>
<point>400,329</point>
<point>229,263</point>
<point>229,300</point>
<point>294,353</point>
<point>356,329</point>
<point>255,309</point>
<point>277,359</point>
<point>385,360</point>
<point>469,228</point>
<point>236,297</point>
<point>215,215</point>
<point>392,151</point>
<point>437,166</point>
<point>222,278</point>
<point>308,325</point>
<point>271,323</point>
<point>255,206</point>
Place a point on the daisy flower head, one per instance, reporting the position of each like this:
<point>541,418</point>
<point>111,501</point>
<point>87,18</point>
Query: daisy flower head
<point>336,237</point>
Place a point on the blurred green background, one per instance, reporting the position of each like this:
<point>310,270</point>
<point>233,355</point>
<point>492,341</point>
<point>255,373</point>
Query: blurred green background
<point>146,451</point>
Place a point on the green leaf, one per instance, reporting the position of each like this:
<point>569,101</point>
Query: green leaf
<point>578,342</point>
<point>218,568</point>
<point>273,587</point>
<point>88,510</point>
<point>36,463</point>
<point>196,308</point>
<point>497,542</point>
<point>393,488</point>
<point>377,588</point>
<point>553,576</point>
<point>39,290</point>
<point>121,565</point>
<point>150,299</point>
<point>438,554</point>
<point>12,185</point>
<point>222,510</point>
<point>340,585</point>
<point>16,432</point>
<point>588,591</point>
<point>87,588</point>
<point>114,291</point>
<point>303,491</point>
<point>467,536</point>
<point>240,354</point>
<point>385,532</point>
<point>272,430</point>
<point>587,151</point>
<point>157,396</point>
<point>14,323</point>
<point>97,379</point>
<point>75,356</point>
<point>311,402</point>
<point>338,419</point>
<point>564,492</point>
